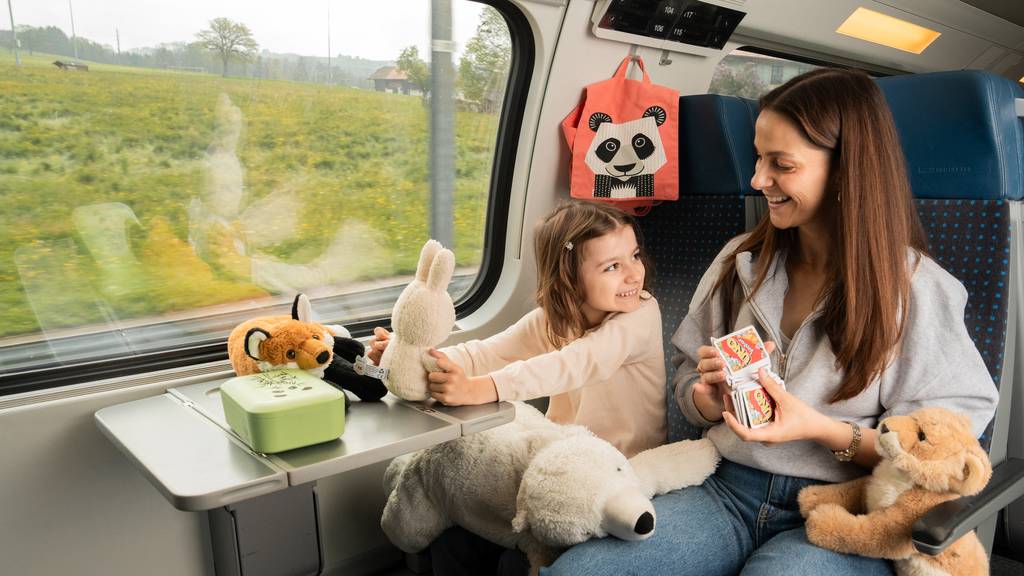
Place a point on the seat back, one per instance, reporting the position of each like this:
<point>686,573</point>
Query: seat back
<point>716,163</point>
<point>963,144</point>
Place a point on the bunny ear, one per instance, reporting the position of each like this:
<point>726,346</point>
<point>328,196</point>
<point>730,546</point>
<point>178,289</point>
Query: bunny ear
<point>441,270</point>
<point>427,253</point>
<point>302,310</point>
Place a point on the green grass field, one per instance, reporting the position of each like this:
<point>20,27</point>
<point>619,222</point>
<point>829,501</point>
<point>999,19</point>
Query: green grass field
<point>85,155</point>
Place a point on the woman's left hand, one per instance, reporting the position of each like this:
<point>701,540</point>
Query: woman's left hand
<point>794,419</point>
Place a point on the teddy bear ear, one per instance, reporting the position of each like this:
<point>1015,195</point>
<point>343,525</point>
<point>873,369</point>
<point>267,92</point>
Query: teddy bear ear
<point>976,473</point>
<point>253,338</point>
<point>302,310</point>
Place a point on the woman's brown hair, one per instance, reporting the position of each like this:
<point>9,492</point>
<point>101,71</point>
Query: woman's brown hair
<point>558,247</point>
<point>868,279</point>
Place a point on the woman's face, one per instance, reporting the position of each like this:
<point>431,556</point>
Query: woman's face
<point>791,172</point>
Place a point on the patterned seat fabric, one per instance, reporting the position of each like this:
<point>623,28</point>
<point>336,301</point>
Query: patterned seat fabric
<point>971,240</point>
<point>683,239</point>
<point>716,140</point>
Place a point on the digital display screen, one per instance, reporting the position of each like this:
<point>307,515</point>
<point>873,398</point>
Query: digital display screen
<point>687,21</point>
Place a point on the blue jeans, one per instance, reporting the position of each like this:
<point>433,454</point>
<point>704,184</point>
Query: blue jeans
<point>740,521</point>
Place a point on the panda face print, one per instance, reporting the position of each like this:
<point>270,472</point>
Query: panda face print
<point>625,150</point>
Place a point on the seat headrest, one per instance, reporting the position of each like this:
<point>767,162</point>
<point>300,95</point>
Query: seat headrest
<point>960,133</point>
<point>716,145</point>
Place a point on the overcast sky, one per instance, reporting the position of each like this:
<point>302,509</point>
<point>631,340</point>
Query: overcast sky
<point>374,29</point>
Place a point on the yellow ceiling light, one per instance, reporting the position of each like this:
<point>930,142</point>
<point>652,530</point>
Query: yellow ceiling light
<point>887,31</point>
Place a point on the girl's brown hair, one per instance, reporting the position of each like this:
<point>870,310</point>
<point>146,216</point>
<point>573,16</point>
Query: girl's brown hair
<point>868,281</point>
<point>558,247</point>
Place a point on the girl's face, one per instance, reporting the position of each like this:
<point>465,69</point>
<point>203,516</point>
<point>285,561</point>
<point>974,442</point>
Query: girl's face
<point>612,274</point>
<point>791,172</point>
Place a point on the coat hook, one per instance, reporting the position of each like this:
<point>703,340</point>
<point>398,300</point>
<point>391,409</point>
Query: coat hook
<point>665,60</point>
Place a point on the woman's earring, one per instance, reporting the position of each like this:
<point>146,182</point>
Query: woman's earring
<point>839,198</point>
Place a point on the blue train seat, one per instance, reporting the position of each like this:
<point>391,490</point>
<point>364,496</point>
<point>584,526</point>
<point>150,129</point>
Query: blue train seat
<point>716,163</point>
<point>965,157</point>
<point>964,143</point>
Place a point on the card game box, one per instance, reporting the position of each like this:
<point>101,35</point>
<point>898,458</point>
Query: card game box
<point>744,353</point>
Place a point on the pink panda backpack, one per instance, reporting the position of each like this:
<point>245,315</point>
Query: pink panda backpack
<point>624,138</point>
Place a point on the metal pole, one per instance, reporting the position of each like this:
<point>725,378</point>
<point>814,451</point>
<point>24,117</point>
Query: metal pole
<point>117,34</point>
<point>442,123</point>
<point>14,35</point>
<point>328,42</point>
<point>74,37</point>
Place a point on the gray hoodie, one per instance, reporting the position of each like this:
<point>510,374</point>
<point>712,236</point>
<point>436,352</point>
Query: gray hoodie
<point>937,365</point>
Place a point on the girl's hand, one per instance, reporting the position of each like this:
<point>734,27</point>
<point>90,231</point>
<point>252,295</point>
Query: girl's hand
<point>452,387</point>
<point>794,420</point>
<point>378,344</point>
<point>711,392</point>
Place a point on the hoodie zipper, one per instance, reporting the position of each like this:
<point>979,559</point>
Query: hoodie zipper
<point>783,357</point>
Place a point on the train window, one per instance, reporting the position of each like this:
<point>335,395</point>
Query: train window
<point>752,75</point>
<point>164,178</point>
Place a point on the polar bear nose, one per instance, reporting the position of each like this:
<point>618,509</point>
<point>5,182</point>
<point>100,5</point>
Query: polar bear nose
<point>644,524</point>
<point>323,357</point>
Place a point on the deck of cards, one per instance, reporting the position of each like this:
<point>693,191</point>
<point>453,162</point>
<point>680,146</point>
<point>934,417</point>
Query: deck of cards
<point>744,354</point>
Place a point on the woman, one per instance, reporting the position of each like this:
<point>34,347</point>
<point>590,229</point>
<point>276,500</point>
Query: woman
<point>864,325</point>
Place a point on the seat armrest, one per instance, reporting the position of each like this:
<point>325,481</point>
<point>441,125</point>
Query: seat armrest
<point>948,521</point>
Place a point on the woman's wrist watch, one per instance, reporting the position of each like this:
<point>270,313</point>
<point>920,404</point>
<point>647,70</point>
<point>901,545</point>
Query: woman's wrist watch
<point>851,450</point>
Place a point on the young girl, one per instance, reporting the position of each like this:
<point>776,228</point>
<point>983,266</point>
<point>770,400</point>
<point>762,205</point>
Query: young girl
<point>593,345</point>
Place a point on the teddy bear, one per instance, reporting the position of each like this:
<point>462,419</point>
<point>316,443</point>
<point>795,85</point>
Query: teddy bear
<point>928,457</point>
<point>422,318</point>
<point>296,341</point>
<point>535,485</point>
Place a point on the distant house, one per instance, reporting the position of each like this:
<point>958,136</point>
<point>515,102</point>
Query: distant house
<point>391,79</point>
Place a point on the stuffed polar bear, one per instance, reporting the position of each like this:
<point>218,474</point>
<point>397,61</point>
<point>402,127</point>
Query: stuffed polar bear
<point>535,485</point>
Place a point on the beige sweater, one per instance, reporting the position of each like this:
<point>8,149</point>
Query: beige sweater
<point>611,380</point>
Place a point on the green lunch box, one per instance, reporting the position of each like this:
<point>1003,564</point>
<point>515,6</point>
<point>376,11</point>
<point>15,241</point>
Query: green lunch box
<point>283,409</point>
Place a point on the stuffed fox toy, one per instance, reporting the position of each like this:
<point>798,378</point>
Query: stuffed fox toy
<point>296,341</point>
<point>928,457</point>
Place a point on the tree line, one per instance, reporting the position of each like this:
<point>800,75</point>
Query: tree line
<point>201,55</point>
<point>230,48</point>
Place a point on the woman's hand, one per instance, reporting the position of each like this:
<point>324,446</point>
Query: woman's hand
<point>378,344</point>
<point>711,392</point>
<point>794,419</point>
<point>452,387</point>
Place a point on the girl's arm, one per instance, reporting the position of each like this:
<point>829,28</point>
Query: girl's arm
<point>595,357</point>
<point>519,341</point>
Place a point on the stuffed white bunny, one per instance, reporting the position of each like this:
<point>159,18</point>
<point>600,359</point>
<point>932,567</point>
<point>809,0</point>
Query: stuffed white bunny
<point>422,318</point>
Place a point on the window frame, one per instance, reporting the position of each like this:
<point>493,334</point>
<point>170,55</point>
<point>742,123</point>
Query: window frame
<point>55,373</point>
